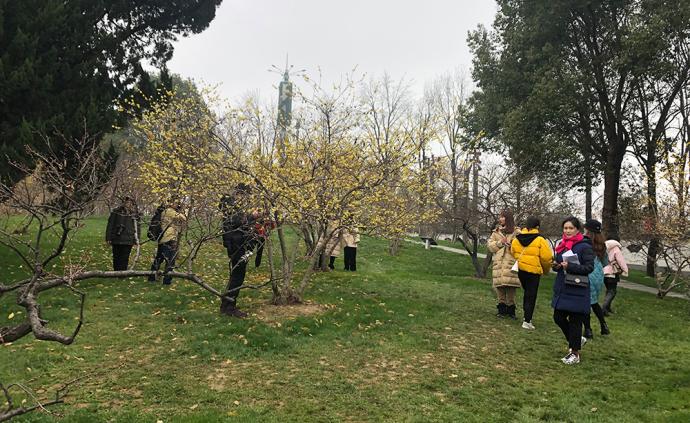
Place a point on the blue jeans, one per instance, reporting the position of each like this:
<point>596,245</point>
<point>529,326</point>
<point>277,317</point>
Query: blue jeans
<point>166,252</point>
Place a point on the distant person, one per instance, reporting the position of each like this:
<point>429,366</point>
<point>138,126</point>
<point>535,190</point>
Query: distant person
<point>171,224</point>
<point>239,239</point>
<point>350,242</point>
<point>262,228</point>
<point>612,273</point>
<point>123,232</point>
<point>505,281</point>
<point>571,299</point>
<point>596,278</point>
<point>333,246</point>
<point>533,254</point>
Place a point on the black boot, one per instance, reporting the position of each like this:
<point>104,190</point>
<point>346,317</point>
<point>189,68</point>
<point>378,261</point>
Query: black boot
<point>588,333</point>
<point>502,311</point>
<point>511,312</point>
<point>605,329</point>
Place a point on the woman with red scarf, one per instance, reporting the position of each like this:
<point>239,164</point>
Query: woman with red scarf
<point>571,303</point>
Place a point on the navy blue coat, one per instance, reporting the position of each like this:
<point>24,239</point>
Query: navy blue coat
<point>574,298</point>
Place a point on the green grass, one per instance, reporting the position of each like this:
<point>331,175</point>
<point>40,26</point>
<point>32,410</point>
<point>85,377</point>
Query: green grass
<point>641,277</point>
<point>407,338</point>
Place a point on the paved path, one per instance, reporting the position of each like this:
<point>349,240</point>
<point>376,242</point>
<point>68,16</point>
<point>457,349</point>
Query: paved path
<point>623,284</point>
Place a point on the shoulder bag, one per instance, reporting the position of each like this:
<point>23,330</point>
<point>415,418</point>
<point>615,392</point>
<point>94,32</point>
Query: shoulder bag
<point>576,280</point>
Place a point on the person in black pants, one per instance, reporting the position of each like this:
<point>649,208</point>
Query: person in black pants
<point>172,223</point>
<point>571,302</point>
<point>616,267</point>
<point>533,255</point>
<point>122,232</point>
<point>239,238</point>
<point>350,240</point>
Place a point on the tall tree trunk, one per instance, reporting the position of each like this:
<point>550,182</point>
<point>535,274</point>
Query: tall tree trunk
<point>394,246</point>
<point>588,187</point>
<point>455,198</point>
<point>612,178</point>
<point>518,196</point>
<point>475,183</point>
<point>652,210</point>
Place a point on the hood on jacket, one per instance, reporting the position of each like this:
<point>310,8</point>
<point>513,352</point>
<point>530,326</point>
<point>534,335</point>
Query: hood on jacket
<point>586,240</point>
<point>612,243</point>
<point>527,237</point>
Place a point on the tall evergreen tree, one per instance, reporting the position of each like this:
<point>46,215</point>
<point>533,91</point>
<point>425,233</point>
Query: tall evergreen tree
<point>63,64</point>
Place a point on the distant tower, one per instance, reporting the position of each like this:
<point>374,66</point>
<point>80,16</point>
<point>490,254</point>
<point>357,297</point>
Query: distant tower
<point>284,110</point>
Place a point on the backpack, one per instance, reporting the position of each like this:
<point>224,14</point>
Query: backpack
<point>155,227</point>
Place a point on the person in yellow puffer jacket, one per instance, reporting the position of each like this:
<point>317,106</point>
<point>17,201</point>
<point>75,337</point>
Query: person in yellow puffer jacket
<point>534,255</point>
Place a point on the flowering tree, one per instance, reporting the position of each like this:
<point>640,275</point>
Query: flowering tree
<point>327,174</point>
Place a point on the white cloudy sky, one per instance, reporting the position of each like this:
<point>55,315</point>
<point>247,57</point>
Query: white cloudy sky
<point>414,39</point>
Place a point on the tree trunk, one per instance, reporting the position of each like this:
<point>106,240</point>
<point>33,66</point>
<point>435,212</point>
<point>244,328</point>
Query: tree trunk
<point>652,208</point>
<point>479,271</point>
<point>518,196</point>
<point>588,187</point>
<point>612,177</point>
<point>394,246</point>
<point>487,263</point>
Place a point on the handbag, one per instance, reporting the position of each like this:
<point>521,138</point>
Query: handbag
<point>516,266</point>
<point>576,280</point>
<point>616,268</point>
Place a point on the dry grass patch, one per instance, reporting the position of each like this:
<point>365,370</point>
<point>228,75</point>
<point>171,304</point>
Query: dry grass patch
<point>272,314</point>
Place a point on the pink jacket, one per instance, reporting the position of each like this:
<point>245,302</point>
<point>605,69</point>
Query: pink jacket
<point>615,255</point>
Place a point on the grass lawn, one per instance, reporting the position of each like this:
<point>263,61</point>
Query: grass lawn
<point>641,277</point>
<point>407,338</point>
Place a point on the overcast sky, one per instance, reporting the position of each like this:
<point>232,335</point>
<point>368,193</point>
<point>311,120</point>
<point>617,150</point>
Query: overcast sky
<point>415,39</point>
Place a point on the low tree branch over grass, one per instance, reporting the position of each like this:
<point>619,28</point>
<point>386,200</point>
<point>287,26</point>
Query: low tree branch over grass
<point>38,219</point>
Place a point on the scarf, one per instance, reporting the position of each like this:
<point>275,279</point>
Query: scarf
<point>567,243</point>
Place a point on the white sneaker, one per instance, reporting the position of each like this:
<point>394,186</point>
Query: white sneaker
<point>583,342</point>
<point>571,359</point>
<point>570,351</point>
<point>528,325</point>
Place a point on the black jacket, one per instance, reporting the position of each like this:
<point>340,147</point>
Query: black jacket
<point>238,228</point>
<point>121,227</point>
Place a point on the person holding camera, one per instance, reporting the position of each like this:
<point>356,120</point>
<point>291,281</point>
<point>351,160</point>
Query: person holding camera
<point>239,239</point>
<point>571,293</point>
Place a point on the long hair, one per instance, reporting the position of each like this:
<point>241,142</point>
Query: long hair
<point>510,221</point>
<point>598,244</point>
